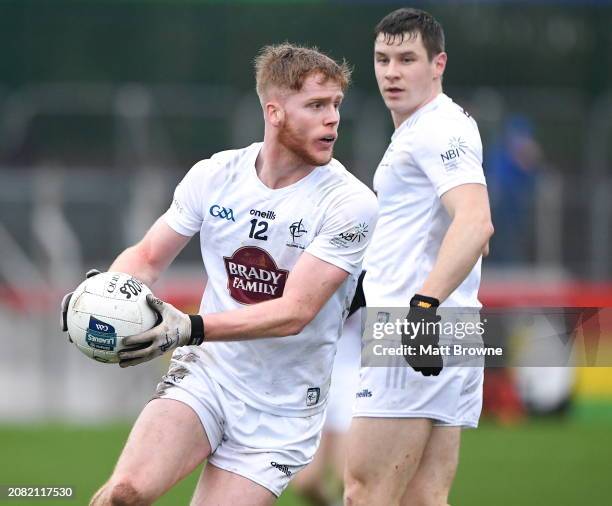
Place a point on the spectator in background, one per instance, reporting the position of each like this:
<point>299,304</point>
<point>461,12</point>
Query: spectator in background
<point>512,165</point>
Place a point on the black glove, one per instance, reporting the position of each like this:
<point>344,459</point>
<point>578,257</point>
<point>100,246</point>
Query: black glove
<point>423,311</point>
<point>66,301</point>
<point>359,298</point>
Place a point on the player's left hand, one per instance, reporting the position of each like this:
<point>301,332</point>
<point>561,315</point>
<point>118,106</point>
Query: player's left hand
<point>66,301</point>
<point>174,330</point>
<point>423,311</point>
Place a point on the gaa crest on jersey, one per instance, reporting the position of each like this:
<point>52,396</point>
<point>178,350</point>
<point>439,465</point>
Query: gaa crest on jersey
<point>225,213</point>
<point>253,276</point>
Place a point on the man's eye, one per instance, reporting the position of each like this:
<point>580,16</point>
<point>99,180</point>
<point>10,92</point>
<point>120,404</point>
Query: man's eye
<point>408,60</point>
<point>316,105</point>
<point>381,60</point>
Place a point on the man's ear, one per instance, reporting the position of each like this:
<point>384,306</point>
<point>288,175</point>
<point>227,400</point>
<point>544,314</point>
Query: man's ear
<point>440,64</point>
<point>275,114</point>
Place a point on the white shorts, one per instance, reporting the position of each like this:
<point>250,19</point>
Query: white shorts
<point>454,398</point>
<point>345,377</point>
<point>265,448</point>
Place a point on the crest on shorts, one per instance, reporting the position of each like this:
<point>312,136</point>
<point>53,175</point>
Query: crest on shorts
<point>312,396</point>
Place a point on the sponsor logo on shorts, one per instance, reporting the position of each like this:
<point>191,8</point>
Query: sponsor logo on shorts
<point>283,468</point>
<point>364,393</point>
<point>312,396</point>
<point>253,276</point>
<point>100,335</point>
<point>450,158</point>
<point>226,213</point>
<point>266,215</point>
<point>350,236</point>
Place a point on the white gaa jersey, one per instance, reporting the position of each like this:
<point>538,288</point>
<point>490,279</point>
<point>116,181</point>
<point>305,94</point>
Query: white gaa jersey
<point>434,150</point>
<point>251,237</point>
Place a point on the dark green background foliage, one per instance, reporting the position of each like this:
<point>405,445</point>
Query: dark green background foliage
<point>503,46</point>
<point>497,45</point>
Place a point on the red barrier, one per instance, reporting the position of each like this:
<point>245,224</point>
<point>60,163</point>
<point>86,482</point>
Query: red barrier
<point>187,294</point>
<point>550,294</point>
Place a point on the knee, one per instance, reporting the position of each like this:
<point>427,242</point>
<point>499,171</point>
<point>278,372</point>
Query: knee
<point>353,494</point>
<point>355,491</point>
<point>125,492</point>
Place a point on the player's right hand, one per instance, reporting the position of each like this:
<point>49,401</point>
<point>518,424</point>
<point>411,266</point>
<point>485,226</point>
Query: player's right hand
<point>423,311</point>
<point>66,300</point>
<point>174,329</point>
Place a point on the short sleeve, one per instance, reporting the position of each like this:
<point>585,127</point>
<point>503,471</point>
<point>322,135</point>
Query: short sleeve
<point>346,231</point>
<point>449,153</point>
<point>185,213</point>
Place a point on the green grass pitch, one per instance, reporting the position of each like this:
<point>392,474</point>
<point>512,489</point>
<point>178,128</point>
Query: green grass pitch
<point>545,463</point>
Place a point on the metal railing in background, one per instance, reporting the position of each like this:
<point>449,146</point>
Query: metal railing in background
<point>144,149</point>
<point>57,219</point>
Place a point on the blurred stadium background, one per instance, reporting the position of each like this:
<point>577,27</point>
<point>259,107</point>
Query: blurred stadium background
<point>104,105</point>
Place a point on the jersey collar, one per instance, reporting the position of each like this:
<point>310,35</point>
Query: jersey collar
<point>411,120</point>
<point>259,185</point>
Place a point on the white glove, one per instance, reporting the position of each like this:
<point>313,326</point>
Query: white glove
<point>174,330</point>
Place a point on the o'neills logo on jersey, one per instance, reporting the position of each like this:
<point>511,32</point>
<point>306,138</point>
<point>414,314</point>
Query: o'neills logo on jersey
<point>252,276</point>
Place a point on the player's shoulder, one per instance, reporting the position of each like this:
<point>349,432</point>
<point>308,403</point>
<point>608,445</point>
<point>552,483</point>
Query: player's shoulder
<point>445,117</point>
<point>231,158</point>
<point>224,164</point>
<point>339,182</point>
<point>443,127</point>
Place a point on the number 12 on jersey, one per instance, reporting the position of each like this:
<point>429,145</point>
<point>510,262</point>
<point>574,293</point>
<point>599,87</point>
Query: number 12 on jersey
<point>258,230</point>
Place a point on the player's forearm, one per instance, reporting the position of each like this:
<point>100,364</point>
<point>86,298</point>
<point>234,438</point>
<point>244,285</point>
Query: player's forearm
<point>135,261</point>
<point>465,241</point>
<point>276,318</point>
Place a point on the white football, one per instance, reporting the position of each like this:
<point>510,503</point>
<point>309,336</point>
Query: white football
<point>106,308</point>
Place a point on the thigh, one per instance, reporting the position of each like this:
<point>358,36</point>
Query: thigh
<point>167,442</point>
<point>337,442</point>
<point>384,453</point>
<point>218,487</point>
<point>314,473</point>
<point>435,474</point>
<point>265,448</point>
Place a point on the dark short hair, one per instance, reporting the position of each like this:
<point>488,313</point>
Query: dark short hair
<point>408,21</point>
<point>287,66</point>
